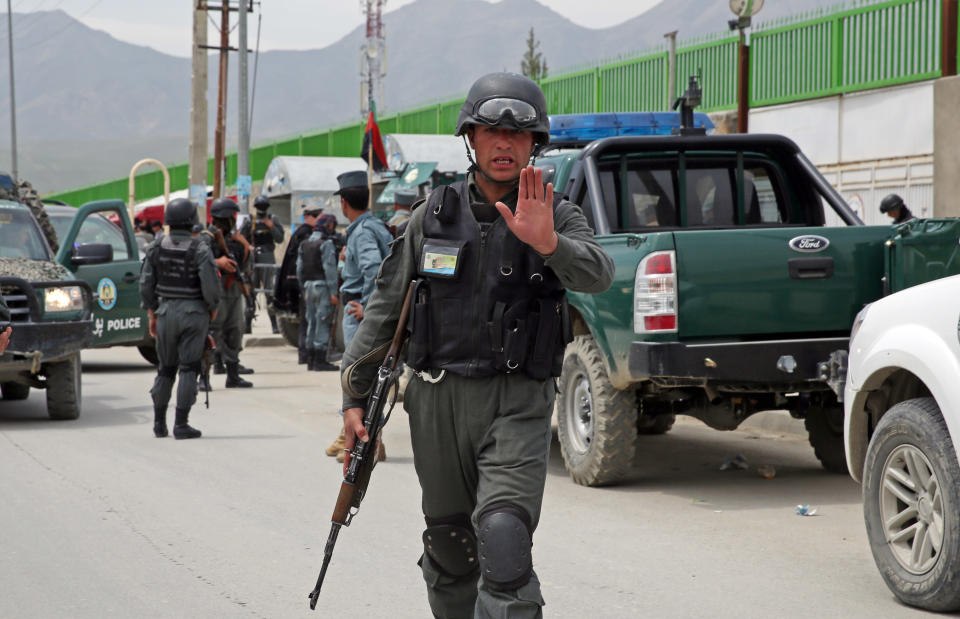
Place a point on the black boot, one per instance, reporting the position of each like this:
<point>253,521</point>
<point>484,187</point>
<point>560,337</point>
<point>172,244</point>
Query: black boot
<point>203,383</point>
<point>320,363</point>
<point>233,377</point>
<point>243,370</point>
<point>273,324</point>
<point>303,355</point>
<point>182,429</point>
<point>311,359</point>
<point>218,367</point>
<point>159,422</point>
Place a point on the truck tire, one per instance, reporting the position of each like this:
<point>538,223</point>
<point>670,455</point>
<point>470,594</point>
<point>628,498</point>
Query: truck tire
<point>63,388</point>
<point>149,353</point>
<point>28,196</point>
<point>289,327</point>
<point>15,391</point>
<point>824,426</point>
<point>911,497</point>
<point>596,423</point>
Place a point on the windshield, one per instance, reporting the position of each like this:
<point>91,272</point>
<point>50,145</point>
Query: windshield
<point>20,236</point>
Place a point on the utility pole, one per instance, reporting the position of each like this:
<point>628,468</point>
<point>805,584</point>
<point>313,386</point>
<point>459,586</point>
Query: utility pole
<point>13,99</point>
<point>243,148</point>
<point>219,137</point>
<point>671,69</point>
<point>373,57</point>
<point>198,114</point>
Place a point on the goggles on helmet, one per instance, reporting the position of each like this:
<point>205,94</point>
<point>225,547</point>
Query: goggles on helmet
<point>493,111</point>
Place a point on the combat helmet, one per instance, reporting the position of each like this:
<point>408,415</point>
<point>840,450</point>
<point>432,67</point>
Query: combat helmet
<point>223,208</point>
<point>261,203</point>
<point>180,213</point>
<point>506,100</point>
<point>891,202</point>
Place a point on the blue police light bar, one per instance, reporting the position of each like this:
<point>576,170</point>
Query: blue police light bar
<point>566,128</point>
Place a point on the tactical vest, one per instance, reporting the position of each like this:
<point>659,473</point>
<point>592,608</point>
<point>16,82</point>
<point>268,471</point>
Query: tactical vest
<point>313,259</point>
<point>262,236</point>
<point>485,303</point>
<point>175,264</point>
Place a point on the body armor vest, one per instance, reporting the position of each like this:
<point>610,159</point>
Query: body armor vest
<point>262,236</point>
<point>175,264</point>
<point>313,259</point>
<point>486,303</point>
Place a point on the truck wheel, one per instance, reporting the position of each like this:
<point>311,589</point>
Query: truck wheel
<point>911,505</point>
<point>661,424</point>
<point>149,353</point>
<point>289,328</point>
<point>597,424</point>
<point>825,430</point>
<point>28,196</point>
<point>15,391</point>
<point>63,388</point>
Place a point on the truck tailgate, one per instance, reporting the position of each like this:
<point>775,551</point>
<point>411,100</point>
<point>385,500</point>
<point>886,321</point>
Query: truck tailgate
<point>735,282</point>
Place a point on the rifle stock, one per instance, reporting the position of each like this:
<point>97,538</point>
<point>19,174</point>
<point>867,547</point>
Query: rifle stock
<point>363,456</point>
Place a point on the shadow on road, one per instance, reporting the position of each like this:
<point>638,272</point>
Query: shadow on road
<point>100,367</point>
<point>96,411</point>
<point>686,463</point>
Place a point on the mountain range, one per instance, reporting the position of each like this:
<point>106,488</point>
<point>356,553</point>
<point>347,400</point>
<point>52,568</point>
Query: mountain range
<point>89,105</point>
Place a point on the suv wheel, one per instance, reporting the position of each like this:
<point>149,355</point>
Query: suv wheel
<point>824,426</point>
<point>63,388</point>
<point>911,505</point>
<point>149,354</point>
<point>15,391</point>
<point>596,423</point>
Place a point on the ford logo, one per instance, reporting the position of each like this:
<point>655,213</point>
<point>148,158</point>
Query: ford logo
<point>809,244</point>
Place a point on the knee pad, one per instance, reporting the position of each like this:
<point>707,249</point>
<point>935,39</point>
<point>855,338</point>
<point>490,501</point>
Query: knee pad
<point>168,371</point>
<point>505,543</point>
<point>190,367</point>
<point>451,544</point>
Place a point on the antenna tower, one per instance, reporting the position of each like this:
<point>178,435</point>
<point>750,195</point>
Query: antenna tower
<point>373,57</point>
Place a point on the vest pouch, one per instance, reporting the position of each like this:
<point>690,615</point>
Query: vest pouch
<point>515,343</point>
<point>418,324</point>
<point>441,258</point>
<point>547,340</point>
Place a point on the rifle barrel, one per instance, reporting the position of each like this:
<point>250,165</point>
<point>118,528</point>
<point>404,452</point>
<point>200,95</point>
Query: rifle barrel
<point>327,555</point>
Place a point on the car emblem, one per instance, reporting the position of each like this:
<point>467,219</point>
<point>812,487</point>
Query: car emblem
<point>809,243</point>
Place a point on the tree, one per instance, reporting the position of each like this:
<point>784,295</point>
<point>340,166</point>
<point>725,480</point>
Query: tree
<point>534,65</point>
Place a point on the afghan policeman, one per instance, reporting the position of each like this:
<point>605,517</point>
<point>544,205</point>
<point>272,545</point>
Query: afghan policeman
<point>232,253</point>
<point>403,200</point>
<point>264,233</point>
<point>492,256</point>
<point>893,206</point>
<point>317,274</point>
<point>180,291</point>
<point>286,294</point>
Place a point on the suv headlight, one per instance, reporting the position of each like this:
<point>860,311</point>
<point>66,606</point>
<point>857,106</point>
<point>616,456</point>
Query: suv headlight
<point>65,299</point>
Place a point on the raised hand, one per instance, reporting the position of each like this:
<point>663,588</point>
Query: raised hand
<point>533,221</point>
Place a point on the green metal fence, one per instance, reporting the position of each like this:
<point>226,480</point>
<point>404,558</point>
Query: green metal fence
<point>868,44</point>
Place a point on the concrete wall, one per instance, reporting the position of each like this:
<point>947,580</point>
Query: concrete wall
<point>946,163</point>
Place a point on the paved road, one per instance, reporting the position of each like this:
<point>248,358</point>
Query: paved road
<point>100,519</point>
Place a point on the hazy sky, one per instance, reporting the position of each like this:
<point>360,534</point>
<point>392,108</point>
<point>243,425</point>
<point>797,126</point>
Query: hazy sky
<point>165,25</point>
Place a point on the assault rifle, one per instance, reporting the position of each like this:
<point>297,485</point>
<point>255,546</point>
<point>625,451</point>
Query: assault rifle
<point>209,348</point>
<point>238,275</point>
<point>363,456</point>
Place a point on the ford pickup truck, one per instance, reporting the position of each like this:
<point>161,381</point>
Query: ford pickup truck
<point>739,271</point>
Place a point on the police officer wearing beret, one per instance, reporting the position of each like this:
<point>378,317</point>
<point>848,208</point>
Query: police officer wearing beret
<point>264,232</point>
<point>180,291</point>
<point>232,258</point>
<point>493,255</point>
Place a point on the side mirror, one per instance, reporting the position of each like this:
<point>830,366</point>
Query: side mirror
<point>91,253</point>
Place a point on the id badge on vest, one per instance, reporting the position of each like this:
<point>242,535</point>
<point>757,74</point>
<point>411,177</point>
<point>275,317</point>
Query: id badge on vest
<point>441,258</point>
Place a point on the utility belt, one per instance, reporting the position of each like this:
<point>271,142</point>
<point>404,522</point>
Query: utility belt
<point>346,297</point>
<point>264,249</point>
<point>528,336</point>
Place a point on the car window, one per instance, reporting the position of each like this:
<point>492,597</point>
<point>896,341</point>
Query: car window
<point>760,202</point>
<point>20,236</point>
<point>651,193</point>
<point>98,229</point>
<point>710,197</point>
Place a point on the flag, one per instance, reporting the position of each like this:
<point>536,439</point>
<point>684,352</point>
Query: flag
<point>372,138</point>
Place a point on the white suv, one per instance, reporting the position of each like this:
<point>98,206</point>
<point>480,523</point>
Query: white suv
<point>902,408</point>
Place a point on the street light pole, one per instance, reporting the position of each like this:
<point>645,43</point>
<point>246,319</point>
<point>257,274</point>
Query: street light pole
<point>13,98</point>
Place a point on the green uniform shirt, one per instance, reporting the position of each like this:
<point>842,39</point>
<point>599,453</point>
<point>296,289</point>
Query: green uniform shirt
<point>579,262</point>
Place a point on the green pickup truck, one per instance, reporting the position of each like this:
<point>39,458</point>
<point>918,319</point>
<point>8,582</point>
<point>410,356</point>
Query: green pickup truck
<point>732,294</point>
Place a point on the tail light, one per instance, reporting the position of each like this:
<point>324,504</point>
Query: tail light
<point>655,294</point>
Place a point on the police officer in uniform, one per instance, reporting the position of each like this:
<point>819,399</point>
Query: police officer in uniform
<point>492,255</point>
<point>317,274</point>
<point>893,206</point>
<point>403,200</point>
<point>180,291</point>
<point>228,326</point>
<point>264,232</point>
<point>286,293</point>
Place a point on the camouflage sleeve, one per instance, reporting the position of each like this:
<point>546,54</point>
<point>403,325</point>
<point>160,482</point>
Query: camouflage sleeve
<point>382,311</point>
<point>579,261</point>
<point>148,281</point>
